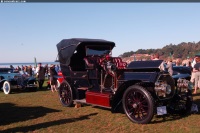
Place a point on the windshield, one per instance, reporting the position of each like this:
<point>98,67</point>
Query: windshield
<point>98,50</point>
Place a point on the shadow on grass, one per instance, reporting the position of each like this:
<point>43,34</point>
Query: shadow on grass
<point>197,101</point>
<point>168,117</point>
<point>172,117</point>
<point>156,119</point>
<point>10,113</point>
<point>48,124</point>
<point>101,108</point>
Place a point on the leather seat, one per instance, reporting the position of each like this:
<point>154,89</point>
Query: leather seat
<point>119,63</point>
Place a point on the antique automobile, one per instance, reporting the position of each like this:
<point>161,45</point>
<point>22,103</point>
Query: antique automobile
<point>10,80</point>
<point>92,76</point>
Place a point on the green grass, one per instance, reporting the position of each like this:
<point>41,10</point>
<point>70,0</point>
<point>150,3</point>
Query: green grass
<point>42,112</point>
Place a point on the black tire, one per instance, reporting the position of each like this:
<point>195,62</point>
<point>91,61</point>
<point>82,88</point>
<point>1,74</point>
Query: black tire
<point>181,104</point>
<point>6,87</point>
<point>138,104</point>
<point>65,94</point>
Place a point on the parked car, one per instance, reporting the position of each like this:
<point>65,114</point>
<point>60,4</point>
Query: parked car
<point>10,80</point>
<point>181,72</point>
<point>92,76</point>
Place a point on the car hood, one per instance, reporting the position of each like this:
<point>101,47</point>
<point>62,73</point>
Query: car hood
<point>11,75</point>
<point>181,76</point>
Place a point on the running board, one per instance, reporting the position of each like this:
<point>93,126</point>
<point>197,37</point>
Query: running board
<point>80,101</point>
<point>83,101</point>
<point>83,88</point>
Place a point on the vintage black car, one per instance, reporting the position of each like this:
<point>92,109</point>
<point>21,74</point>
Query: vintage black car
<point>92,76</point>
<point>10,80</point>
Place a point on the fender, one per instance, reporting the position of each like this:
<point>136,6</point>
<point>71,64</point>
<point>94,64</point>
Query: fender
<point>116,99</point>
<point>1,82</point>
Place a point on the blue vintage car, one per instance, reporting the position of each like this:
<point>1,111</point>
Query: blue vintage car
<point>10,80</point>
<point>181,72</point>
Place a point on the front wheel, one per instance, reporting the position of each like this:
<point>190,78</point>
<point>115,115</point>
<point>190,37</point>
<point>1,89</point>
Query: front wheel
<point>6,87</point>
<point>65,94</point>
<point>138,104</point>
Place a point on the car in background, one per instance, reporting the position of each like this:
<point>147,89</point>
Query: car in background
<point>182,70</point>
<point>14,80</point>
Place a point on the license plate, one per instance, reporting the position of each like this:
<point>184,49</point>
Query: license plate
<point>161,110</point>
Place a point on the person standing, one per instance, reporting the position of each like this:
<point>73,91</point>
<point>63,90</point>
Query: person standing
<point>53,79</point>
<point>170,66</point>
<point>57,68</point>
<point>178,62</point>
<point>46,71</point>
<point>193,73</point>
<point>30,71</point>
<point>196,69</point>
<point>40,75</point>
<point>11,66</point>
<point>156,57</point>
<point>187,62</point>
<point>19,68</point>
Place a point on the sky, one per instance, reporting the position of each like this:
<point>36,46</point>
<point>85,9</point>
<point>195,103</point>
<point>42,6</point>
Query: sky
<point>29,30</point>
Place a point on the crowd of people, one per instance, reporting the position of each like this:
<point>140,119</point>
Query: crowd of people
<point>41,73</point>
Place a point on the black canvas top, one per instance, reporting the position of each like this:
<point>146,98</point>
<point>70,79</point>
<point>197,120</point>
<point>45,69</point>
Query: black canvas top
<point>79,41</point>
<point>67,47</point>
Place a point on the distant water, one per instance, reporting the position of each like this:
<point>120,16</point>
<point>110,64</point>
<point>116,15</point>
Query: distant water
<point>25,64</point>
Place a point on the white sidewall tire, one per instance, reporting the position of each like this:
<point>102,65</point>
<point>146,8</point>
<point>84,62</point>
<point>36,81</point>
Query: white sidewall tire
<point>6,87</point>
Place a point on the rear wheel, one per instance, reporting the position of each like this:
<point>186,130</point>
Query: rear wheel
<point>65,94</point>
<point>138,104</point>
<point>6,87</point>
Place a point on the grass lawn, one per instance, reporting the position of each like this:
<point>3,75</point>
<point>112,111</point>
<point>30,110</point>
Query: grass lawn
<point>41,112</point>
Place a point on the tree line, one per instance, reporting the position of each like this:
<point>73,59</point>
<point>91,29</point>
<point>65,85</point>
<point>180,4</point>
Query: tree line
<point>182,50</point>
